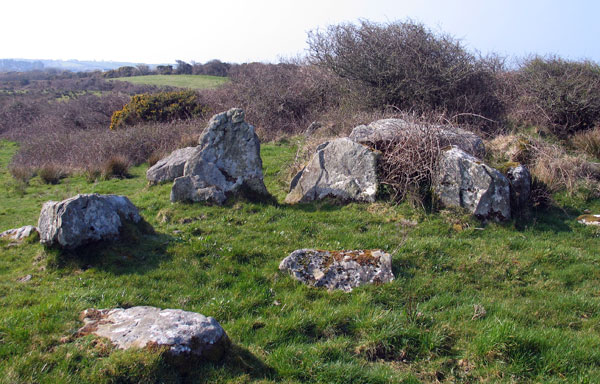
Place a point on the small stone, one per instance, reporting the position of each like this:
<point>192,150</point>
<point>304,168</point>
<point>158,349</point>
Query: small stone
<point>589,219</point>
<point>24,279</point>
<point>479,312</point>
<point>19,234</point>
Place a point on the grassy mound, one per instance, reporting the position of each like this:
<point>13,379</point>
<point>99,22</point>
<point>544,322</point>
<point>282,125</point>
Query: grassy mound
<point>180,81</point>
<point>501,303</point>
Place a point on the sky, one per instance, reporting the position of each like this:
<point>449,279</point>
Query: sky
<point>268,30</point>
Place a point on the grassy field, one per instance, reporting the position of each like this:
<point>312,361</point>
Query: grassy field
<point>537,277</point>
<point>182,81</point>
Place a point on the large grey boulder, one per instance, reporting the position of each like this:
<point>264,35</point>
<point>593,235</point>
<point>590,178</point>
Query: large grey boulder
<point>227,158</point>
<point>340,169</point>
<point>181,333</point>
<point>386,130</point>
<point>171,167</point>
<point>19,234</point>
<point>464,181</point>
<point>342,270</point>
<point>84,219</point>
<point>520,186</point>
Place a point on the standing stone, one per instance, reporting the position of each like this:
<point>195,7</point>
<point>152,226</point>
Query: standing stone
<point>182,333</point>
<point>520,186</point>
<point>342,270</point>
<point>340,169</point>
<point>84,219</point>
<point>464,181</point>
<point>227,158</point>
<point>171,167</point>
<point>386,130</point>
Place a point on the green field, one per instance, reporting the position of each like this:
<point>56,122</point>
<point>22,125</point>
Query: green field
<point>182,81</point>
<point>538,279</point>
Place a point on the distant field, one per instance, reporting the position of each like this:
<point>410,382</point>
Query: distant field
<point>182,81</point>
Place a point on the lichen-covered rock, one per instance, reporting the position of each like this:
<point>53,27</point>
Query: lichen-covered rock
<point>227,157</point>
<point>171,167</point>
<point>520,186</point>
<point>340,169</point>
<point>343,270</point>
<point>84,219</point>
<point>464,181</point>
<point>19,234</point>
<point>589,219</point>
<point>182,333</point>
<point>392,129</point>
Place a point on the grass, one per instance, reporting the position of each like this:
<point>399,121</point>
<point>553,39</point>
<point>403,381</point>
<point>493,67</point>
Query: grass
<point>181,81</point>
<point>536,277</point>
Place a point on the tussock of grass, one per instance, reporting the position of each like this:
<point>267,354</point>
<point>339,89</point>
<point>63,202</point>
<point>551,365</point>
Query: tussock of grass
<point>537,280</point>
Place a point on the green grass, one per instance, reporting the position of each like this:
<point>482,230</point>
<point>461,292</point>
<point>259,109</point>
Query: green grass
<point>181,81</point>
<point>537,277</point>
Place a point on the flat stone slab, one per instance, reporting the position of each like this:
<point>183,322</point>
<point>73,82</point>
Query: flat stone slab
<point>342,270</point>
<point>589,219</point>
<point>180,332</point>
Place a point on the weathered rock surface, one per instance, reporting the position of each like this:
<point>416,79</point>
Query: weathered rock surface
<point>391,129</point>
<point>182,333</point>
<point>340,169</point>
<point>196,189</point>
<point>83,219</point>
<point>589,219</point>
<point>227,158</point>
<point>343,270</point>
<point>19,234</point>
<point>171,167</point>
<point>520,186</point>
<point>464,181</point>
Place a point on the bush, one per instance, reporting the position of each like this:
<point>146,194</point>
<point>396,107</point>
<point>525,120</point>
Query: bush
<point>588,142</point>
<point>159,107</point>
<point>281,98</point>
<point>116,167</point>
<point>406,65</point>
<point>559,94</point>
<point>51,174</point>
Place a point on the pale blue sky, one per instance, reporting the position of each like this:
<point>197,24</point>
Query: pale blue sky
<point>154,31</point>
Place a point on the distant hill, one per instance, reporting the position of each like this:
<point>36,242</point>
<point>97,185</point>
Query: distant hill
<point>22,65</point>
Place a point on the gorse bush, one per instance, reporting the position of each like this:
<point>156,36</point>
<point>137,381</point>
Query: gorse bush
<point>159,107</point>
<point>406,65</point>
<point>559,94</point>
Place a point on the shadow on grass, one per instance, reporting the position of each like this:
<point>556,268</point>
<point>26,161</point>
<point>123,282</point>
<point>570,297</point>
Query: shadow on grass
<point>138,250</point>
<point>551,219</point>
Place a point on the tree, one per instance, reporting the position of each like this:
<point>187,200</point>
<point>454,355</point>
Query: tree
<point>183,68</point>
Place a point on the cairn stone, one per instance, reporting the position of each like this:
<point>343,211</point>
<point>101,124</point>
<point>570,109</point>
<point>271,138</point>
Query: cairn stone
<point>386,130</point>
<point>227,158</point>
<point>19,234</point>
<point>340,169</point>
<point>84,219</point>
<point>171,167</point>
<point>342,270</point>
<point>520,186</point>
<point>464,181</point>
<point>182,333</point>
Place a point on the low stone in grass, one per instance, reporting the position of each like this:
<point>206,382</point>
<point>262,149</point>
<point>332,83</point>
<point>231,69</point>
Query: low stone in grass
<point>520,186</point>
<point>84,219</point>
<point>182,334</point>
<point>342,270</point>
<point>19,234</point>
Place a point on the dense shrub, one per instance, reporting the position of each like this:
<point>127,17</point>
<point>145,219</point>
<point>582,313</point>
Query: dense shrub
<point>159,107</point>
<point>406,65</point>
<point>281,98</point>
<point>116,166</point>
<point>51,173</point>
<point>559,94</point>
